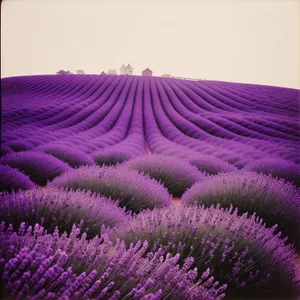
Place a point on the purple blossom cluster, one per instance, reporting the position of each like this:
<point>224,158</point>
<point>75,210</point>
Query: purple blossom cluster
<point>133,190</point>
<point>38,265</point>
<point>275,201</point>
<point>176,175</point>
<point>239,251</point>
<point>60,208</point>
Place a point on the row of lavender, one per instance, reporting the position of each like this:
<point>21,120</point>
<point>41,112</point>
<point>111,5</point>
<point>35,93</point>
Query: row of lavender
<point>165,252</point>
<point>104,119</point>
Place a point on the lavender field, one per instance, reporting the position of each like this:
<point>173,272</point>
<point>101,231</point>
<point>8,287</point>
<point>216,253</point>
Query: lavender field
<point>146,188</point>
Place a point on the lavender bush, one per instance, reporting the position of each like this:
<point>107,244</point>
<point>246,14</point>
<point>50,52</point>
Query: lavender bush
<point>132,146</point>
<point>278,168</point>
<point>176,175</point>
<point>60,208</point>
<point>110,157</point>
<point>13,179</point>
<point>18,146</point>
<point>275,201</point>
<point>5,150</point>
<point>210,165</point>
<point>38,265</point>
<point>73,157</point>
<point>239,251</point>
<point>40,167</point>
<point>131,189</point>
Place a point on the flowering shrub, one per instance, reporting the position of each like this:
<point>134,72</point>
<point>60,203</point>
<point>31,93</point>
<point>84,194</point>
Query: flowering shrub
<point>73,157</point>
<point>276,201</point>
<point>40,167</point>
<point>5,150</point>
<point>13,179</point>
<point>133,145</point>
<point>133,190</point>
<point>210,165</point>
<point>205,163</point>
<point>18,146</point>
<point>239,251</point>
<point>277,167</point>
<point>110,157</point>
<point>61,208</point>
<point>38,265</point>
<point>176,175</point>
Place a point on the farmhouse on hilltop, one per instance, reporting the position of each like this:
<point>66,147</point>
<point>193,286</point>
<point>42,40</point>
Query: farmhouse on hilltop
<point>111,72</point>
<point>147,72</point>
<point>126,70</point>
<point>62,72</point>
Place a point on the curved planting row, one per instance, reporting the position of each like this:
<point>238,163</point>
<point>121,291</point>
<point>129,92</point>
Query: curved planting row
<point>102,114</point>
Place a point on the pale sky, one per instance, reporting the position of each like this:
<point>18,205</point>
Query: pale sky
<point>230,40</point>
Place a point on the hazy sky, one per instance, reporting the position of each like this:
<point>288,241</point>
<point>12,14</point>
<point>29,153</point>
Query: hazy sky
<point>241,40</point>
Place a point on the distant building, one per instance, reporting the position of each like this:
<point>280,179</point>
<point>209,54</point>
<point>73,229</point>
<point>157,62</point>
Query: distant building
<point>79,72</point>
<point>111,72</point>
<point>102,73</point>
<point>167,75</point>
<point>122,70</point>
<point>126,70</point>
<point>62,72</point>
<point>147,72</point>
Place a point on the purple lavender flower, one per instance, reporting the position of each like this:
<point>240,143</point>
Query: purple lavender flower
<point>209,164</point>
<point>18,146</point>
<point>60,208</point>
<point>39,264</point>
<point>276,201</point>
<point>133,190</point>
<point>111,156</point>
<point>177,175</point>
<point>232,247</point>
<point>13,179</point>
<point>73,157</point>
<point>40,167</point>
<point>278,168</point>
<point>5,150</point>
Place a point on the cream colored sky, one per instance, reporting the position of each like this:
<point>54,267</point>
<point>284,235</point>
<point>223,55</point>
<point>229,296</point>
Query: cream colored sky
<point>241,40</point>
